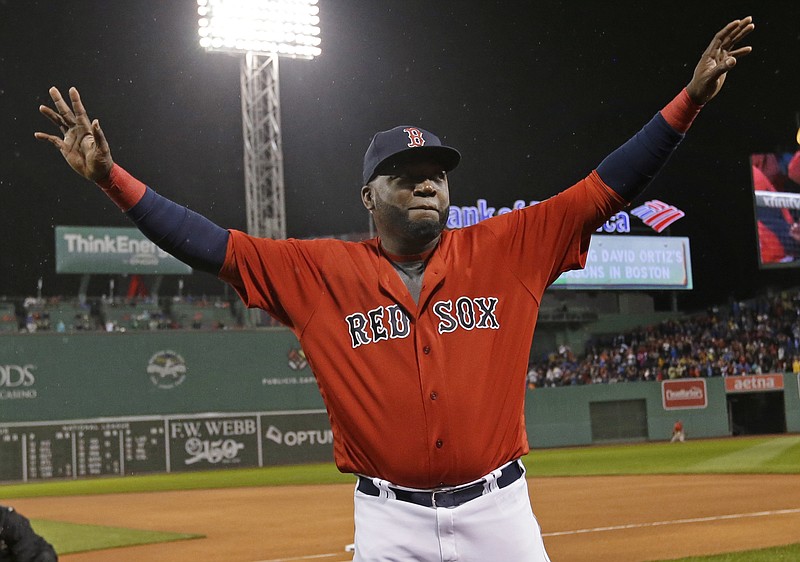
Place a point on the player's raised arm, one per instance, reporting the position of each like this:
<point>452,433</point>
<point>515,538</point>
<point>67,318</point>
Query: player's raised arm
<point>720,57</point>
<point>631,167</point>
<point>188,236</point>
<point>83,145</point>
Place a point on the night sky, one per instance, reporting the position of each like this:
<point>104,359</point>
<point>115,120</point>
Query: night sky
<point>533,94</point>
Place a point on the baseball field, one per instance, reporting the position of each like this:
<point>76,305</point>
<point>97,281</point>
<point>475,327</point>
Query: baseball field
<point>730,500</point>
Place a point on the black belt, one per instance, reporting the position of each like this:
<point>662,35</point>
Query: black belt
<point>444,498</point>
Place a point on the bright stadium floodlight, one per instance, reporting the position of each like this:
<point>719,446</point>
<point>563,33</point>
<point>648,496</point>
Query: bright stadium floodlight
<point>262,30</point>
<point>288,28</point>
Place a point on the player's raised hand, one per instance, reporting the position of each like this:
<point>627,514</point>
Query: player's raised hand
<point>83,144</point>
<point>720,56</point>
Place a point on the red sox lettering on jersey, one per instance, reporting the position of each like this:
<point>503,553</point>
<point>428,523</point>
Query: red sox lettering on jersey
<point>391,322</point>
<point>410,386</point>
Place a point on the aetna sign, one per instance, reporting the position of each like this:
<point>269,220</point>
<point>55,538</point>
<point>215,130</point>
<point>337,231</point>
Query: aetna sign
<point>754,383</point>
<point>683,394</point>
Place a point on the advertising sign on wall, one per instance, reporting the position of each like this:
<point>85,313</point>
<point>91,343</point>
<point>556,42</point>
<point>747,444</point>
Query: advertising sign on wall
<point>293,438</point>
<point>213,442</point>
<point>684,394</point>
<point>112,250</point>
<point>754,383</point>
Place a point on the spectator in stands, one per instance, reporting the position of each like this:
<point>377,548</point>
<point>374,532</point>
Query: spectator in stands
<point>533,377</point>
<point>752,337</point>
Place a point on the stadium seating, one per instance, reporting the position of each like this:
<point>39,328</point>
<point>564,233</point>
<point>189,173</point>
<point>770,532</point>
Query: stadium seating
<point>133,314</point>
<point>748,337</point>
<point>202,314</point>
<point>761,335</point>
<point>56,314</point>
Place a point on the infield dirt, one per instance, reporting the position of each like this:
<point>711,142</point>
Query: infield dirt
<point>597,519</point>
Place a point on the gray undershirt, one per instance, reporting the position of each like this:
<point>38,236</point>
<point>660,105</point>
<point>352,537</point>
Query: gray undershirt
<point>411,273</point>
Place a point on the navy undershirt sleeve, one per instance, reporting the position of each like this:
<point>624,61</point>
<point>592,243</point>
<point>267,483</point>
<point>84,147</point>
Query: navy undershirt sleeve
<point>633,165</point>
<point>187,235</point>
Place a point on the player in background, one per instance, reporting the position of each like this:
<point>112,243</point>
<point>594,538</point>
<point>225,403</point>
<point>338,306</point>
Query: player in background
<point>678,434</point>
<point>419,339</point>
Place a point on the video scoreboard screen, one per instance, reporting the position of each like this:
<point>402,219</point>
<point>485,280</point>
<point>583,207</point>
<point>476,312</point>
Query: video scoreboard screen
<point>776,198</point>
<point>633,263</point>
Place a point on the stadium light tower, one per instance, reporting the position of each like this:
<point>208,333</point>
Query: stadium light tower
<point>262,30</point>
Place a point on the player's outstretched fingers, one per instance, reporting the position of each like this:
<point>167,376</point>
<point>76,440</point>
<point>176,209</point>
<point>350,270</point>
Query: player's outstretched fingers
<point>54,140</point>
<point>100,138</point>
<point>61,106</point>
<point>745,27</point>
<point>56,118</point>
<point>77,106</point>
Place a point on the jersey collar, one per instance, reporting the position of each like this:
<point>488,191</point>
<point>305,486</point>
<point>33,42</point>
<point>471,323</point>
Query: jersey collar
<point>435,269</point>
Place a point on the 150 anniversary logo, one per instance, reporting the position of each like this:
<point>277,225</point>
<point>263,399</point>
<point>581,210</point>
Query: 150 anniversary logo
<point>214,441</point>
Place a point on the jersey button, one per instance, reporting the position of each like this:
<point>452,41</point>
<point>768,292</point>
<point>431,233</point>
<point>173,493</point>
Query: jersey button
<point>426,350</point>
<point>439,443</point>
<point>434,396</point>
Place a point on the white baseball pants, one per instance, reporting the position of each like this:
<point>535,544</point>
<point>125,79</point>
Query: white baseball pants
<point>497,526</point>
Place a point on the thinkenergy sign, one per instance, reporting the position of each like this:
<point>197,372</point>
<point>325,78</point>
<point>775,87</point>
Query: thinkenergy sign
<point>111,250</point>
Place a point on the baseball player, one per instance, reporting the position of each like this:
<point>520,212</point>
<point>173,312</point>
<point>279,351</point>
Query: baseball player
<point>678,433</point>
<point>19,542</point>
<point>419,338</point>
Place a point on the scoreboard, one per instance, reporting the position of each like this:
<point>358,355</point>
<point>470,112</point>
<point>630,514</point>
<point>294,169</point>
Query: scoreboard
<point>36,451</point>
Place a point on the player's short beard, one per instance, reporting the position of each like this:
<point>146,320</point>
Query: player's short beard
<point>421,230</point>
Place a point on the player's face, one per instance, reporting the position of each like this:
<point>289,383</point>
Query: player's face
<point>411,203</point>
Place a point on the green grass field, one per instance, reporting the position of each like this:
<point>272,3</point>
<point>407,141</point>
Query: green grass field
<point>747,455</point>
<point>752,455</point>
<point>72,537</point>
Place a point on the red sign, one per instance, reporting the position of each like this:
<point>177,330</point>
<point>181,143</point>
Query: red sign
<point>754,383</point>
<point>683,394</point>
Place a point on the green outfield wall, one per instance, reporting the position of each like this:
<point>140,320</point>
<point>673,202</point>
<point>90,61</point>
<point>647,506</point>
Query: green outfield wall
<point>562,416</point>
<point>792,396</point>
<point>66,376</point>
<point>91,404</point>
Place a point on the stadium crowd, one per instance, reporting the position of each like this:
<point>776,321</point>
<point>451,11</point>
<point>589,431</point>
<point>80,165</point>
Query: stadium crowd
<point>750,337</point>
<point>758,336</point>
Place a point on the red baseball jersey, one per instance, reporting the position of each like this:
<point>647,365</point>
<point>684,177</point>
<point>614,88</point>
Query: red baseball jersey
<point>430,393</point>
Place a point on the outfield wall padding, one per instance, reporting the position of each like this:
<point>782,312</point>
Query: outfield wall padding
<point>78,376</point>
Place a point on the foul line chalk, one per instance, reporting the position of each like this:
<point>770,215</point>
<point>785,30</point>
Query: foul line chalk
<point>309,557</point>
<point>673,522</point>
<point>601,529</point>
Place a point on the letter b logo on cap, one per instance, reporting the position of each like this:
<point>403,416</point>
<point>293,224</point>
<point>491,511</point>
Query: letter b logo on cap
<point>415,136</point>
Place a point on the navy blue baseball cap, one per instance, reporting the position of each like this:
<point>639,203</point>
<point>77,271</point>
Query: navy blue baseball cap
<point>403,142</point>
